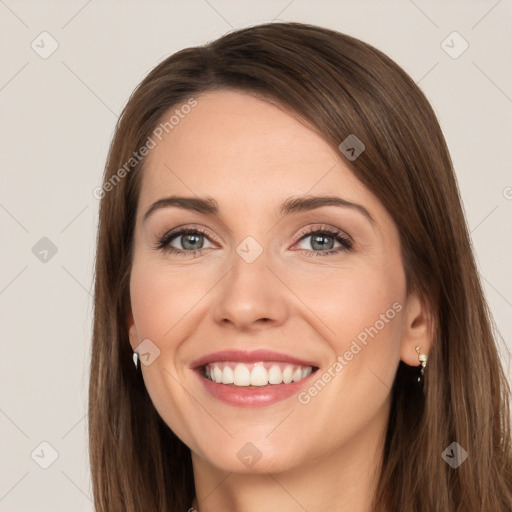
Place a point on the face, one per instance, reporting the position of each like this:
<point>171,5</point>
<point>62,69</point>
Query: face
<point>311,297</point>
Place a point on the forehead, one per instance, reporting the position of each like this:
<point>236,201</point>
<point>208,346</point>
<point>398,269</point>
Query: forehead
<point>236,146</point>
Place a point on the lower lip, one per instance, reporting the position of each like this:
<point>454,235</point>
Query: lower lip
<point>248,396</point>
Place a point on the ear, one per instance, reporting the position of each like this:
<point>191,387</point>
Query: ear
<point>132,330</point>
<point>417,330</point>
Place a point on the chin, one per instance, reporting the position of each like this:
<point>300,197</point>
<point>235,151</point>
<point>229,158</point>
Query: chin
<point>252,458</point>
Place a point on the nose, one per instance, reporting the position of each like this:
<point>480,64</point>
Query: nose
<point>250,296</point>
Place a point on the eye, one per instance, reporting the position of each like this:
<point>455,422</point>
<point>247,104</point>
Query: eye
<point>323,241</point>
<point>190,240</point>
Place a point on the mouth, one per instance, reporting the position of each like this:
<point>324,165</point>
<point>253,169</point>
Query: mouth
<point>252,379</point>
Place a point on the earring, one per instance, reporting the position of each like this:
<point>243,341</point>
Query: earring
<point>136,360</point>
<point>423,360</point>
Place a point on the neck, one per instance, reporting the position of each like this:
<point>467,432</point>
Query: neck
<point>343,480</point>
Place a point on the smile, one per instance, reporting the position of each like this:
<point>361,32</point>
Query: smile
<point>256,378</point>
<point>257,374</point>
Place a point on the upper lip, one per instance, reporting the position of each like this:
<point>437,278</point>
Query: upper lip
<point>252,356</point>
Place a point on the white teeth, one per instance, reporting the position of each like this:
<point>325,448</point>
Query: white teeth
<point>297,375</point>
<point>287,375</point>
<point>242,375</point>
<point>256,374</point>
<point>227,376</point>
<point>259,376</point>
<point>217,374</point>
<point>275,375</point>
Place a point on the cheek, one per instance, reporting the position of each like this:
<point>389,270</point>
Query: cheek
<point>361,318</point>
<point>358,311</point>
<point>161,300</point>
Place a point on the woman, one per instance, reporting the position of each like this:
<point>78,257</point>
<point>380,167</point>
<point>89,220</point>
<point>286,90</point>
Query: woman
<point>282,250</point>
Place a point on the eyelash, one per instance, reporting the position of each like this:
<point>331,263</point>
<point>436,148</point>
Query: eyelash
<point>345,240</point>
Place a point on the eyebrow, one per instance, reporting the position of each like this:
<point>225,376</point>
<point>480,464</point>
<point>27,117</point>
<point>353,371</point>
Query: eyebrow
<point>209,206</point>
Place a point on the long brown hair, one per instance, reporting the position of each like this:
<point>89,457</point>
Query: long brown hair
<point>339,86</point>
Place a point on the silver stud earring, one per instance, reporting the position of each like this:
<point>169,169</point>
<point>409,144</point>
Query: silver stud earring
<point>136,360</point>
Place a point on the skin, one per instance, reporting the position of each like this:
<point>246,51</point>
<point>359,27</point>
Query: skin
<point>251,155</point>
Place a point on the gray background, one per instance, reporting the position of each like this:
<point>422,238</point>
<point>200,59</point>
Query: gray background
<point>57,119</point>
